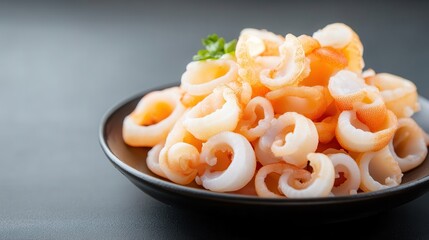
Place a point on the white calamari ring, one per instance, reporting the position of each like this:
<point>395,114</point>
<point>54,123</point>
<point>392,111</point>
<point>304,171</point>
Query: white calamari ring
<point>256,118</point>
<point>257,50</point>
<point>336,35</point>
<point>346,165</point>
<point>152,160</point>
<point>261,187</point>
<point>320,183</point>
<point>355,136</point>
<point>347,88</point>
<point>378,170</point>
<point>201,77</point>
<point>239,172</point>
<point>293,66</point>
<point>399,94</point>
<point>263,153</point>
<point>291,137</point>
<point>137,133</point>
<point>179,162</point>
<point>179,159</point>
<point>220,111</point>
<point>408,145</point>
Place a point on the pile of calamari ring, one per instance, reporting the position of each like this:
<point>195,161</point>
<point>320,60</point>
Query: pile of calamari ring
<point>283,117</point>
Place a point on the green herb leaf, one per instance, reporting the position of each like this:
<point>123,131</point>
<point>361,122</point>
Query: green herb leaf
<point>215,48</point>
<point>210,39</point>
<point>230,46</point>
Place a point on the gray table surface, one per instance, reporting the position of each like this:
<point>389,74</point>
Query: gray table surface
<point>63,65</point>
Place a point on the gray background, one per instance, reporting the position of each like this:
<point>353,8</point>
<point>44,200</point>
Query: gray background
<point>62,65</point>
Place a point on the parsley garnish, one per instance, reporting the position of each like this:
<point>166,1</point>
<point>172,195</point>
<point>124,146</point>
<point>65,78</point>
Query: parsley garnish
<point>215,47</point>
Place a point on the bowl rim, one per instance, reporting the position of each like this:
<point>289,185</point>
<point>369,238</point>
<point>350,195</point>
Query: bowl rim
<point>203,193</point>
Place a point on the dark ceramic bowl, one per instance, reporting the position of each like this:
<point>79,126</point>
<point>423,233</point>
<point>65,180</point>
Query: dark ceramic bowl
<point>131,162</point>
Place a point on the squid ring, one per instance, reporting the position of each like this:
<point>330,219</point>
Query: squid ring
<point>293,66</point>
<point>319,184</point>
<point>278,168</point>
<point>201,77</point>
<point>408,145</point>
<point>291,137</point>
<point>256,118</point>
<point>152,160</point>
<point>346,165</point>
<point>378,170</point>
<point>179,159</point>
<point>220,111</point>
<point>241,169</point>
<point>153,117</point>
<point>355,136</point>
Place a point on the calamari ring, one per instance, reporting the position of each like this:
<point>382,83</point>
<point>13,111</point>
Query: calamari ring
<point>201,77</point>
<point>308,101</point>
<point>291,137</point>
<point>346,87</point>
<point>180,134</point>
<point>319,184</point>
<point>263,153</point>
<point>347,172</point>
<point>152,160</point>
<point>336,35</point>
<point>408,145</point>
<point>220,111</point>
<point>293,66</point>
<point>179,158</point>
<point>341,36</point>
<point>256,118</point>
<point>371,110</point>
<point>399,94</point>
<point>264,172</point>
<point>242,90</point>
<point>153,117</point>
<point>378,170</point>
<point>238,173</point>
<point>180,162</point>
<point>355,136</point>
<point>256,50</point>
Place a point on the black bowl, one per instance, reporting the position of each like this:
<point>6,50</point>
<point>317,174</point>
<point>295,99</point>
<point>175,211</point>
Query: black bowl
<point>131,162</point>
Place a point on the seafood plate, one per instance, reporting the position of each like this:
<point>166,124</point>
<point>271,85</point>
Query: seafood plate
<point>281,116</point>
